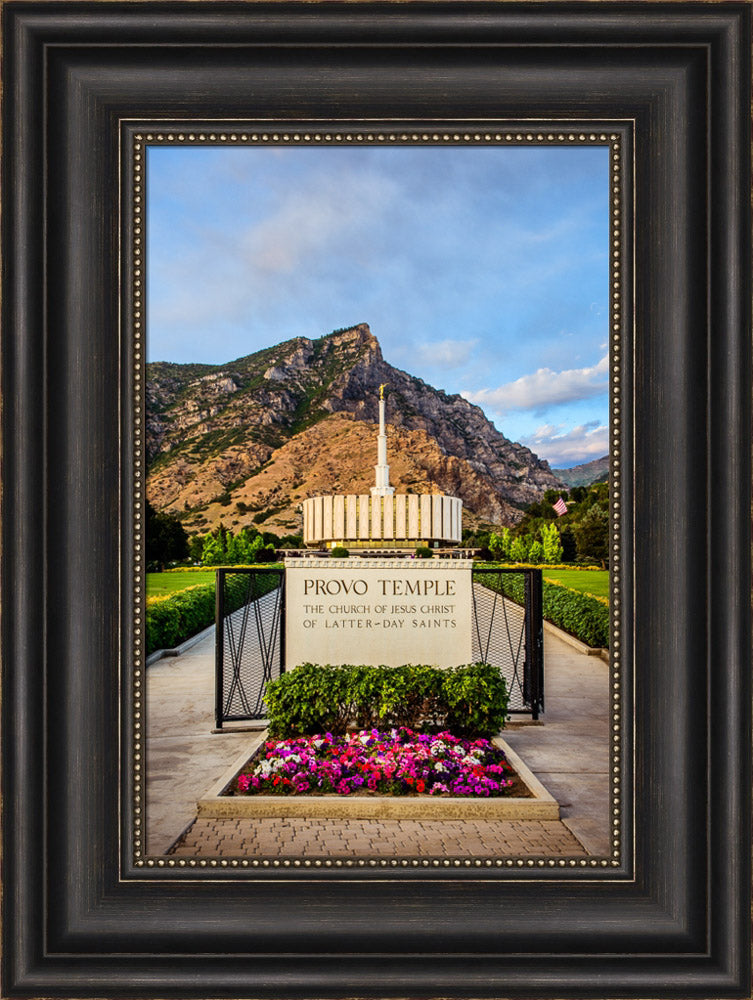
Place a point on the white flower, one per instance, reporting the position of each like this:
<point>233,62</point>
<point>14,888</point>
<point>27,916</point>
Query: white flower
<point>267,767</point>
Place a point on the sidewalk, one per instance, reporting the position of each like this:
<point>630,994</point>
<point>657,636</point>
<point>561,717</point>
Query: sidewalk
<point>569,753</point>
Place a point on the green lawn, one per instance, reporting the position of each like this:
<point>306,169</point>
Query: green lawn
<point>594,582</point>
<point>159,584</point>
<point>590,581</point>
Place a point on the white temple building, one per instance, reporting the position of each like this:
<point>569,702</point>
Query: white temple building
<point>384,519</point>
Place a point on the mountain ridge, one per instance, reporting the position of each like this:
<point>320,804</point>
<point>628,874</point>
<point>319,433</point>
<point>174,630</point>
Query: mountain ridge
<point>213,431</point>
<point>595,471</point>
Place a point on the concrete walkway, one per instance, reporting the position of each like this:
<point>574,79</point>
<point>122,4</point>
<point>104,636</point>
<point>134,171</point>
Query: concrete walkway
<point>568,752</point>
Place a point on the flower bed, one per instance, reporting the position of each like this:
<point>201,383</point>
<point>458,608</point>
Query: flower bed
<point>394,762</point>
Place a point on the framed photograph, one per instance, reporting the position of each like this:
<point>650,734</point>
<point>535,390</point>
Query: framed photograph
<point>405,116</point>
<point>264,417</point>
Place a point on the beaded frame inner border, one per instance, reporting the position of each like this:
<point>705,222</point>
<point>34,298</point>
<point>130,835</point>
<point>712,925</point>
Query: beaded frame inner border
<point>135,140</point>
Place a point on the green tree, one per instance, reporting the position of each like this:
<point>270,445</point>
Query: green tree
<point>499,543</point>
<point>166,538</point>
<point>536,552</point>
<point>592,534</point>
<point>244,541</point>
<point>552,547</point>
<point>195,547</point>
<point>477,539</point>
<point>235,550</point>
<point>540,509</point>
<point>254,548</point>
<point>519,549</point>
<point>213,554</point>
<point>569,549</point>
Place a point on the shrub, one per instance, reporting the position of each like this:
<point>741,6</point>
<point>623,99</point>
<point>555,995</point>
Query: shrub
<point>170,620</point>
<point>467,700</point>
<point>162,623</point>
<point>424,552</point>
<point>476,700</point>
<point>583,616</point>
<point>410,696</point>
<point>173,619</point>
<point>311,699</point>
<point>338,552</point>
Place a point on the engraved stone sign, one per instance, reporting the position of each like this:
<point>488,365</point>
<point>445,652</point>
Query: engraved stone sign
<point>378,611</point>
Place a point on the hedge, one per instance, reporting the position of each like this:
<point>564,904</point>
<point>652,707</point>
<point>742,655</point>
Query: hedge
<point>172,619</point>
<point>470,700</point>
<point>581,567</point>
<point>585,617</point>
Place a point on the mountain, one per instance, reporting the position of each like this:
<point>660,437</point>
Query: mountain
<point>596,471</point>
<point>247,441</point>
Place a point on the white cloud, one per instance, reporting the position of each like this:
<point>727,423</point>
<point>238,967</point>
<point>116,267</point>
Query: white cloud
<point>545,388</point>
<point>563,448</point>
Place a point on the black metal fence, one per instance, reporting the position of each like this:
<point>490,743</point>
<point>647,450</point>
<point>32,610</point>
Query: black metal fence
<point>249,638</point>
<point>508,632</point>
<point>507,629</point>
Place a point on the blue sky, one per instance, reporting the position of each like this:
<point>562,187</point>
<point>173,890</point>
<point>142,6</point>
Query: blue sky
<point>484,271</point>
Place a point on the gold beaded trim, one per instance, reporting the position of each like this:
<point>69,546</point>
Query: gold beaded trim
<point>547,133</point>
<point>139,528</point>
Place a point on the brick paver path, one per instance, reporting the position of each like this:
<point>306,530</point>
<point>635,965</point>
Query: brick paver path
<point>296,838</point>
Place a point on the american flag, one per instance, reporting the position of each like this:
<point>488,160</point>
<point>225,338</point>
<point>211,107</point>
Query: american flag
<point>560,507</point>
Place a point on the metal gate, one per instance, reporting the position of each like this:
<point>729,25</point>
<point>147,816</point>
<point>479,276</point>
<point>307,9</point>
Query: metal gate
<point>250,639</point>
<point>508,632</point>
<point>507,629</point>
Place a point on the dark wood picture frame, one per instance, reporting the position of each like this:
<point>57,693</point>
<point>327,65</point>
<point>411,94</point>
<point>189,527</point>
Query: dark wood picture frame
<point>78,919</point>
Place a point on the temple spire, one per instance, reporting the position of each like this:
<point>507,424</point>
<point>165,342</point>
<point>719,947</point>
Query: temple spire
<point>382,488</point>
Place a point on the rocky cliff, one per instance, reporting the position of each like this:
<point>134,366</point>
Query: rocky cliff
<point>247,441</point>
